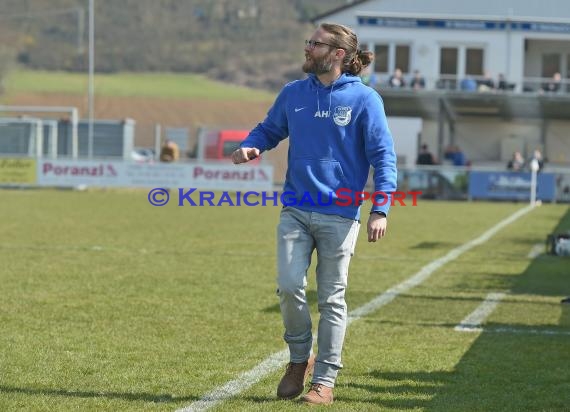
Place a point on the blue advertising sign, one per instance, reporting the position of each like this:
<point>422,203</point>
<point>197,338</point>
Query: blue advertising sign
<point>463,24</point>
<point>511,186</point>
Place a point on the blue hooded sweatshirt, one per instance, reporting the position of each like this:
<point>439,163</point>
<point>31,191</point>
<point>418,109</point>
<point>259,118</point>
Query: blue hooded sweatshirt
<point>336,133</point>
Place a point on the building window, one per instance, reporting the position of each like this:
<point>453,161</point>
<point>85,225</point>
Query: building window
<point>460,63</point>
<point>448,61</point>
<point>474,62</point>
<point>381,58</point>
<point>403,58</point>
<point>388,57</point>
<point>447,68</point>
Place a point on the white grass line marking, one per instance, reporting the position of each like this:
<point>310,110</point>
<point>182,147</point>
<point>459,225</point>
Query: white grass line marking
<point>519,331</point>
<point>277,360</point>
<point>548,332</point>
<point>472,323</point>
<point>241,383</point>
<point>536,250</point>
<point>428,269</point>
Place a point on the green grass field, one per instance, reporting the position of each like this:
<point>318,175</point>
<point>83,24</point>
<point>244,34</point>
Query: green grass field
<point>163,85</point>
<point>110,304</point>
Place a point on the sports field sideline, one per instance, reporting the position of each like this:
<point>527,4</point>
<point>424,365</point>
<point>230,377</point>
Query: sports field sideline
<point>109,303</point>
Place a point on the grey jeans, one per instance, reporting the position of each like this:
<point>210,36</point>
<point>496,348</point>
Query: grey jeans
<point>334,238</point>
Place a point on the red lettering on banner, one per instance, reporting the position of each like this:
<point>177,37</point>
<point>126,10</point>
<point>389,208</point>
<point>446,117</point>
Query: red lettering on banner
<point>262,174</point>
<point>214,174</point>
<point>95,171</point>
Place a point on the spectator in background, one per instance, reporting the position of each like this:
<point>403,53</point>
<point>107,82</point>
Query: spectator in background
<point>502,83</point>
<point>397,79</point>
<point>487,84</point>
<point>418,82</point>
<point>468,84</point>
<point>553,86</point>
<point>537,155</point>
<point>455,155</point>
<point>425,157</point>
<point>169,152</point>
<point>517,163</point>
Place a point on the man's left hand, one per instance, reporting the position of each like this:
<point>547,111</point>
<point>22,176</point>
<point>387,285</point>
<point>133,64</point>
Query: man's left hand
<point>376,227</point>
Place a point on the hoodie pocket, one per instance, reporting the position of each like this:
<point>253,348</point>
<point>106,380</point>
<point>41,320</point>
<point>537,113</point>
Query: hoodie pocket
<point>315,175</point>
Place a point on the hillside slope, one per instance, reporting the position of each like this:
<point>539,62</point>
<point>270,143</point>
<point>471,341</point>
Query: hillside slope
<point>250,42</point>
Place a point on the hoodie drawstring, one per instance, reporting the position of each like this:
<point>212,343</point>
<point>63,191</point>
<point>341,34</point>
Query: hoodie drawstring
<point>330,99</point>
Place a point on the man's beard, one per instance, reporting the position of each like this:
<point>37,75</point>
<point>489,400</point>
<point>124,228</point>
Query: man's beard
<point>318,66</point>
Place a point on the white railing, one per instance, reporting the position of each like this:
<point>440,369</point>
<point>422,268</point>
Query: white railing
<point>447,82</point>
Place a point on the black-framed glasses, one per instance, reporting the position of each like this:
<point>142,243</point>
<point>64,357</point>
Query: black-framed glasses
<point>311,44</point>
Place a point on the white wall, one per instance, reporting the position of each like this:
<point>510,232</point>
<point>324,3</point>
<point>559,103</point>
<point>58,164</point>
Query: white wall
<point>482,140</point>
<point>426,43</point>
<point>504,51</point>
<point>557,146</point>
<point>405,132</point>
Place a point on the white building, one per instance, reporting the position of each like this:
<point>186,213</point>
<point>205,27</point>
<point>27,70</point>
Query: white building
<point>449,41</point>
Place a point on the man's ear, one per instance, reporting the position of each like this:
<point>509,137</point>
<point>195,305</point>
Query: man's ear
<point>340,54</point>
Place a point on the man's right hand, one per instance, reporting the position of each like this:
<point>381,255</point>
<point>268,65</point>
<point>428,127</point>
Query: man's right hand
<point>245,154</point>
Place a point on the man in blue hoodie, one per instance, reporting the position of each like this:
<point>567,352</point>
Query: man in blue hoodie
<point>337,129</point>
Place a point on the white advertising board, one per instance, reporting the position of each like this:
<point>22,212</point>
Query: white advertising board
<point>94,173</point>
<point>228,177</point>
<point>70,173</point>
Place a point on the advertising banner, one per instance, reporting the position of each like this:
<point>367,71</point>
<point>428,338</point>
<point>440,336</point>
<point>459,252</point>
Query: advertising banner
<point>72,173</point>
<point>17,171</point>
<point>232,177</point>
<point>510,186</point>
<point>93,173</point>
<point>165,175</point>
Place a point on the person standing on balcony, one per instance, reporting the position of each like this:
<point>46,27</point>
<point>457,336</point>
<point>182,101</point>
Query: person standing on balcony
<point>517,163</point>
<point>397,79</point>
<point>554,85</point>
<point>425,157</point>
<point>418,82</point>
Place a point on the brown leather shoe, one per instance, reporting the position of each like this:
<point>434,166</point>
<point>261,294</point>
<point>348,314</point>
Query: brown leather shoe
<point>293,382</point>
<point>319,395</point>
